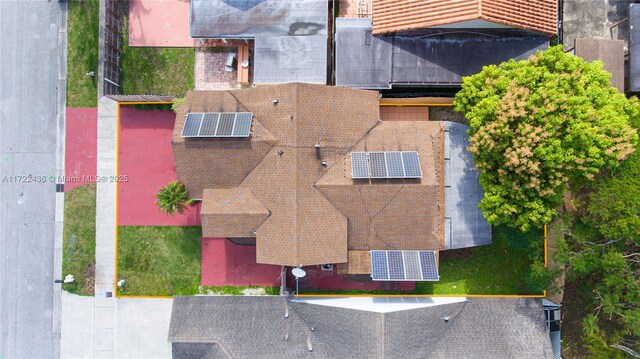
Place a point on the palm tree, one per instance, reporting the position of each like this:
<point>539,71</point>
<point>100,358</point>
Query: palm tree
<point>173,197</point>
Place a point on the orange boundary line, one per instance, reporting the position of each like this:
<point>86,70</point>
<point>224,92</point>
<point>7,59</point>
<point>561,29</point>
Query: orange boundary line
<point>115,282</point>
<point>115,285</point>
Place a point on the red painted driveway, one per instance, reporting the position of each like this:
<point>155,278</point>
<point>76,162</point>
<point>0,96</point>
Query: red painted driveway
<point>227,263</point>
<point>80,146</point>
<point>146,159</point>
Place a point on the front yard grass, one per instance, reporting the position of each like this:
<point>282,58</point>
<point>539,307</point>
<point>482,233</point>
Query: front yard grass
<point>82,30</point>
<point>152,70</point>
<point>79,239</point>
<point>159,261</point>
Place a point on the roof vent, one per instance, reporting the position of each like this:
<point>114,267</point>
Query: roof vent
<point>280,152</point>
<point>324,163</point>
<point>309,347</point>
<point>275,102</point>
<point>317,145</point>
<point>313,329</point>
<point>446,319</point>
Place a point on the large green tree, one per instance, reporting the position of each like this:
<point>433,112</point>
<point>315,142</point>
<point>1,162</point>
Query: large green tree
<point>539,126</point>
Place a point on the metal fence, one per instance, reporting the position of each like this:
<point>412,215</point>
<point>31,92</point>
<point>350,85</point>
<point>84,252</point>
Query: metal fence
<point>111,15</point>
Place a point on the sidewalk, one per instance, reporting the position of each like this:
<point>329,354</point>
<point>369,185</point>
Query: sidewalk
<point>104,301</point>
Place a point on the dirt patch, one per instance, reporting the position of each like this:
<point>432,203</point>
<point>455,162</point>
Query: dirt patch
<point>254,291</point>
<point>90,278</point>
<point>455,253</point>
<point>445,113</point>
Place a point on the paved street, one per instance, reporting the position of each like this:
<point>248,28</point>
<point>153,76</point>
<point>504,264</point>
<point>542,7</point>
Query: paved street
<point>28,105</point>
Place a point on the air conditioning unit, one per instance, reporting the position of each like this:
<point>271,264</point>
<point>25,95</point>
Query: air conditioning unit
<point>229,65</point>
<point>327,267</point>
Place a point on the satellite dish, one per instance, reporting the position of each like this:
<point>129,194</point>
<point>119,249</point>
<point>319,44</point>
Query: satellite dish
<point>298,272</point>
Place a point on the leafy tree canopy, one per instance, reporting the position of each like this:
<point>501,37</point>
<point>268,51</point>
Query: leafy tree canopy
<point>539,126</point>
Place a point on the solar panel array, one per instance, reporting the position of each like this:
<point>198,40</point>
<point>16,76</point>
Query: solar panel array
<point>217,124</point>
<point>404,266</point>
<point>405,164</point>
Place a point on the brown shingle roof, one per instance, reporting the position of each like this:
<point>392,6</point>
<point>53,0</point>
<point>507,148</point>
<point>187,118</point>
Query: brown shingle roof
<point>231,212</point>
<point>400,15</point>
<point>394,214</point>
<point>316,212</point>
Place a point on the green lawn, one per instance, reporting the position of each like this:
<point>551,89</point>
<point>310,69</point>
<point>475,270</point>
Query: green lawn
<point>500,268</point>
<point>159,261</point>
<point>496,269</point>
<point>82,90</point>
<point>79,239</point>
<point>155,70</point>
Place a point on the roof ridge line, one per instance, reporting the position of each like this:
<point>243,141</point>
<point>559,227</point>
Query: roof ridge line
<point>297,228</point>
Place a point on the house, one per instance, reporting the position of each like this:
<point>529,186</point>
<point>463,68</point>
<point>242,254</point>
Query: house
<point>283,178</point>
<point>288,38</point>
<point>379,327</point>
<point>434,43</point>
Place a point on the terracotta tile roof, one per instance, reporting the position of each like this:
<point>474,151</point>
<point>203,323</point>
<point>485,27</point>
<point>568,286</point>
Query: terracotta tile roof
<point>231,212</point>
<point>401,15</point>
<point>314,213</point>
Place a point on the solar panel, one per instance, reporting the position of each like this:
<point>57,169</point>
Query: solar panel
<point>378,165</point>
<point>404,266</point>
<point>394,164</point>
<point>225,126</point>
<point>396,265</point>
<point>209,124</point>
<point>379,267</point>
<point>412,265</point>
<point>389,164</point>
<point>359,165</point>
<point>242,127</point>
<point>429,266</point>
<point>411,165</point>
<point>192,125</point>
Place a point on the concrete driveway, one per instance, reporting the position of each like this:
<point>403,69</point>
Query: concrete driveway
<point>141,327</point>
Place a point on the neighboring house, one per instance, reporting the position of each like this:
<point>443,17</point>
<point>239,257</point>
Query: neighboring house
<point>283,177</point>
<point>279,327</point>
<point>435,43</point>
<point>290,36</point>
<point>610,52</point>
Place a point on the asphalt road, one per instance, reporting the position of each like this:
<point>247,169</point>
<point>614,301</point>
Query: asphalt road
<point>28,80</point>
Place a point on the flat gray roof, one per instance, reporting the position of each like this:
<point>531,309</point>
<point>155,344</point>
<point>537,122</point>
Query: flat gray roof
<point>634,47</point>
<point>429,57</point>
<point>290,35</point>
<point>465,226</point>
